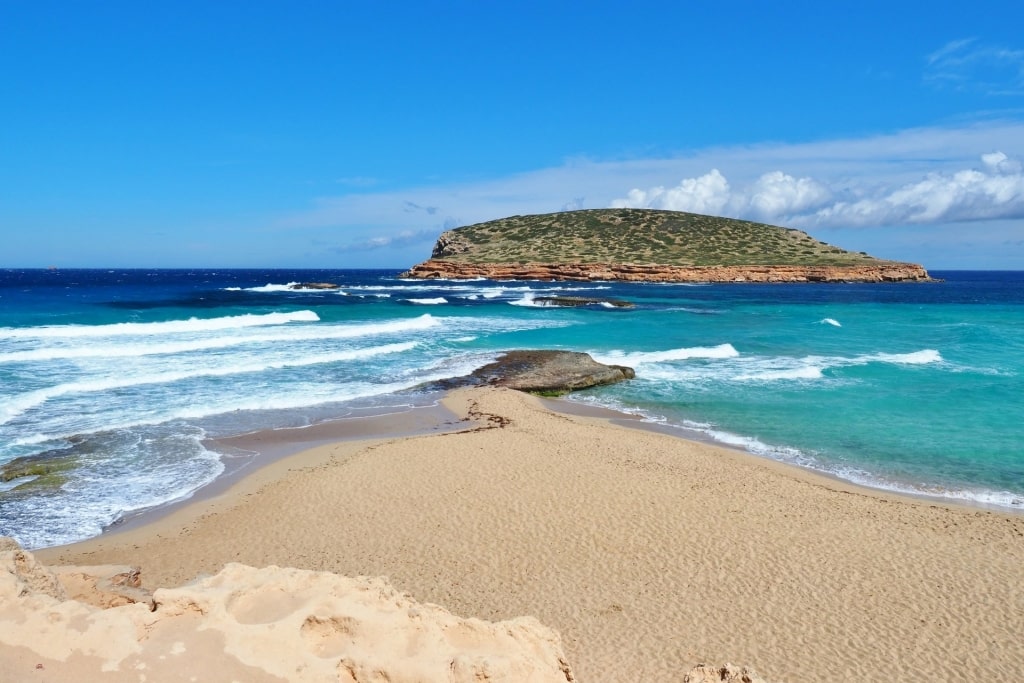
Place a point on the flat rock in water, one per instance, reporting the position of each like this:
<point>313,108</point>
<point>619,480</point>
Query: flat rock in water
<point>314,285</point>
<point>550,371</point>
<point>576,301</point>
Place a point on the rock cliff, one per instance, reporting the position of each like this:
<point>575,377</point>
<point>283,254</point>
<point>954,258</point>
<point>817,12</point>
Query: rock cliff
<point>884,271</point>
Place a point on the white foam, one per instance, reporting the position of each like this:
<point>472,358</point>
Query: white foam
<point>923,357</point>
<point>227,402</point>
<point>270,287</point>
<point>160,328</point>
<point>429,302</point>
<point>797,373</point>
<point>283,334</point>
<point>528,301</point>
<point>686,353</point>
<point>830,321</point>
<point>24,402</point>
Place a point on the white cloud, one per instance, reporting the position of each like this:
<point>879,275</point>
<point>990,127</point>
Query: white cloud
<point>1000,163</point>
<point>776,197</point>
<point>706,194</point>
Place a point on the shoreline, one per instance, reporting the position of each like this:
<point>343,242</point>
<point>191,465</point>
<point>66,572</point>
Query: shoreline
<point>633,421</point>
<point>648,552</point>
<point>246,454</point>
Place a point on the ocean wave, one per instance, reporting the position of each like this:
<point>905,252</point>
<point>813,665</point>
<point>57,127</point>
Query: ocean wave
<point>802,372</point>
<point>528,300</point>
<point>283,335</point>
<point>829,321</point>
<point>229,402</point>
<point>686,353</point>
<point>922,357</point>
<point>269,287</point>
<point>20,404</point>
<point>661,366</point>
<point>160,328</point>
<point>435,301</point>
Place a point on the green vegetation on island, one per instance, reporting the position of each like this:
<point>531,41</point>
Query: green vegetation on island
<point>639,236</point>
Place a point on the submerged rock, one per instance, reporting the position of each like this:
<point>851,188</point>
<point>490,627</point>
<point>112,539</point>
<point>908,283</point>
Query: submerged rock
<point>41,470</point>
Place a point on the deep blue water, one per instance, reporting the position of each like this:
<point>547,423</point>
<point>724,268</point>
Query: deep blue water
<point>122,375</point>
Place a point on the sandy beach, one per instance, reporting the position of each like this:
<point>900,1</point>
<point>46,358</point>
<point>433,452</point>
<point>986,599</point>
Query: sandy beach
<point>647,553</point>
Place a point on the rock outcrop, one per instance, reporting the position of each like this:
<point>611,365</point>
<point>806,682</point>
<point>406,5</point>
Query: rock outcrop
<point>259,625</point>
<point>581,301</point>
<point>456,270</point>
<point>542,372</point>
<point>314,285</point>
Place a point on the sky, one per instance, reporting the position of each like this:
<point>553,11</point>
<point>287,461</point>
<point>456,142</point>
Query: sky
<point>224,134</point>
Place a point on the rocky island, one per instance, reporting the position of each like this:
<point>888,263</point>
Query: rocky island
<point>646,245</point>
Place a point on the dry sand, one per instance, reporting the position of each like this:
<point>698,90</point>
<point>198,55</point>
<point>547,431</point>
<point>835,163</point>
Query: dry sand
<point>648,553</point>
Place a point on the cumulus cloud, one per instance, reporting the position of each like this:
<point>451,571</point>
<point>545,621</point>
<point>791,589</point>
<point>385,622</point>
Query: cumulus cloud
<point>707,194</point>
<point>778,194</point>
<point>994,191</point>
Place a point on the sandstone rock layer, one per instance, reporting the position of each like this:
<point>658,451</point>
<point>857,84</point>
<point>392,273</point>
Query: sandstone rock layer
<point>269,624</point>
<point>456,270</point>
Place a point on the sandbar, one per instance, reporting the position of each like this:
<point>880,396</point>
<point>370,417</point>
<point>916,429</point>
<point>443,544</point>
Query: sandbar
<point>647,552</point>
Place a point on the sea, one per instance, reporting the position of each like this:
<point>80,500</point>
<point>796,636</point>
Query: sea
<point>115,385</point>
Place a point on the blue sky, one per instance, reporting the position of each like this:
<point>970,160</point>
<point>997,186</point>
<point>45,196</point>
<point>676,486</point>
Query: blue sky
<point>334,134</point>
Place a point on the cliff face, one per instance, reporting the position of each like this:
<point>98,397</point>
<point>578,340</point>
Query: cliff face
<point>884,271</point>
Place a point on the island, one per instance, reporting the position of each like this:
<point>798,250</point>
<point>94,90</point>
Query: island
<point>647,245</point>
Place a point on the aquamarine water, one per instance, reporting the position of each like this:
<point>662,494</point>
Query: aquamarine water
<point>124,376</point>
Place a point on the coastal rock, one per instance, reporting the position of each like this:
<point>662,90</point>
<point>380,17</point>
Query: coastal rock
<point>259,625</point>
<point>314,285</point>
<point>592,272</point>
<point>702,673</point>
<point>550,371</point>
<point>21,576</point>
<point>103,586</point>
<point>578,301</point>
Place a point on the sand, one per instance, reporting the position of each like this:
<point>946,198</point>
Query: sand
<point>648,553</point>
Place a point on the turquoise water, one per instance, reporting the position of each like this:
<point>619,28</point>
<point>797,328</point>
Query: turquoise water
<point>125,375</point>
